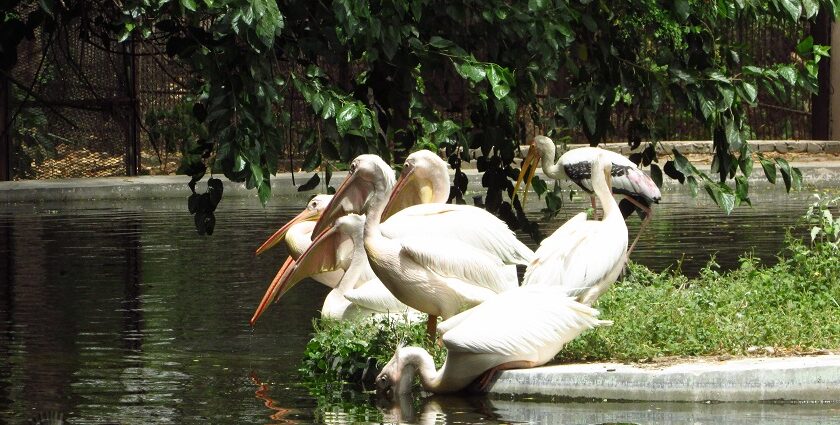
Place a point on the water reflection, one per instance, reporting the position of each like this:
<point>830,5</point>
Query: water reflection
<point>117,312</point>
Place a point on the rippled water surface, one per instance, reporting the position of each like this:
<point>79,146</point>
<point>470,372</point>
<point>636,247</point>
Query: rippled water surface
<point>118,312</point>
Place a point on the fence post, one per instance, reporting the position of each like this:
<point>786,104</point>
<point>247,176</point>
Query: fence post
<point>132,152</point>
<point>5,131</point>
<point>834,103</point>
<point>821,110</point>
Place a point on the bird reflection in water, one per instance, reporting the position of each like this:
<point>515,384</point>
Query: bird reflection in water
<point>261,393</point>
<point>437,409</point>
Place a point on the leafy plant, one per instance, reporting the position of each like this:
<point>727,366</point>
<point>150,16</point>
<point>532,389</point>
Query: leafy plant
<point>356,350</point>
<point>825,228</point>
<point>390,77</point>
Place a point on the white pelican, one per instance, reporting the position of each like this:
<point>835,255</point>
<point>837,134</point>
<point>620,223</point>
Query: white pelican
<point>584,256</point>
<point>297,234</point>
<point>521,328</point>
<point>437,258</point>
<point>574,165</point>
<point>359,294</point>
<point>424,180</point>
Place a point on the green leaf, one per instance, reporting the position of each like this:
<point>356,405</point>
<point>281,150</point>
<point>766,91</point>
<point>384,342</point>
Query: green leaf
<point>784,167</point>
<point>345,115</point>
<point>806,46</point>
<point>750,92</point>
<point>656,174</point>
<point>742,190</point>
<point>789,74</point>
<point>682,8</point>
<point>683,165</point>
<point>189,5</point>
<point>539,185</point>
<point>474,73</point>
<point>723,199</point>
<point>793,7</point>
<point>440,42</point>
<point>310,184</point>
<point>264,192</point>
<point>733,136</point>
<point>746,164</point>
<point>692,184</point>
<point>497,77</point>
<point>811,7</point>
<point>796,176</point>
<point>328,110</point>
<point>769,170</point>
<point>536,5</point>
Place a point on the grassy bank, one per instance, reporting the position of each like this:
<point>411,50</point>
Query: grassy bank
<point>792,306</point>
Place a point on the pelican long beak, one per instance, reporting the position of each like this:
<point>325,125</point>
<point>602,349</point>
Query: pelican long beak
<point>278,236</point>
<point>318,258</point>
<point>409,190</point>
<point>350,197</point>
<point>527,171</point>
<point>272,293</point>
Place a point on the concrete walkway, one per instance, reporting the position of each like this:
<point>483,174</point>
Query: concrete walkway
<point>813,378</point>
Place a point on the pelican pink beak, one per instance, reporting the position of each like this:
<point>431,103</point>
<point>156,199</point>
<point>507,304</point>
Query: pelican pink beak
<point>278,236</point>
<point>527,170</point>
<point>318,258</point>
<point>350,197</point>
<point>400,197</point>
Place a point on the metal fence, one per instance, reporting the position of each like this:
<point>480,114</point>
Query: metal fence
<point>83,107</point>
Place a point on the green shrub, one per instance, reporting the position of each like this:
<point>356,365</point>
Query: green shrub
<point>356,350</point>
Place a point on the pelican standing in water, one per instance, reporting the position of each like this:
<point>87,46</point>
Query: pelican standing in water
<point>637,187</point>
<point>584,256</point>
<point>359,294</point>
<point>526,326</point>
<point>439,259</point>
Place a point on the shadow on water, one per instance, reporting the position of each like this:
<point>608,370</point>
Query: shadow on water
<point>120,313</point>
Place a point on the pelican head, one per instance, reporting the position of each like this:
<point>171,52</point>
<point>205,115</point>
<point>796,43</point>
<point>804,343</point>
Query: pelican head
<point>397,375</point>
<point>323,255</point>
<point>541,147</point>
<point>312,212</point>
<point>367,173</point>
<point>424,180</point>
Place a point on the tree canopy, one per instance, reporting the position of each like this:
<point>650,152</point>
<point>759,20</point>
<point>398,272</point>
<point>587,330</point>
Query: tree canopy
<point>392,76</point>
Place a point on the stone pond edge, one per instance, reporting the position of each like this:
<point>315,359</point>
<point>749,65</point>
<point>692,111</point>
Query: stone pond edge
<point>802,379</point>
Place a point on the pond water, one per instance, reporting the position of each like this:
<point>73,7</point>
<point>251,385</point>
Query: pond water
<point>118,312</point>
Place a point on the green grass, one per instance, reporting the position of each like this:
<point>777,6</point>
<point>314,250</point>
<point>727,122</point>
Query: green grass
<point>791,306</point>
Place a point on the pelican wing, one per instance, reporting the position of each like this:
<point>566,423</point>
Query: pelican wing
<point>585,257</point>
<point>451,258</point>
<point>548,265</point>
<point>522,321</point>
<point>375,296</point>
<point>471,225</point>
